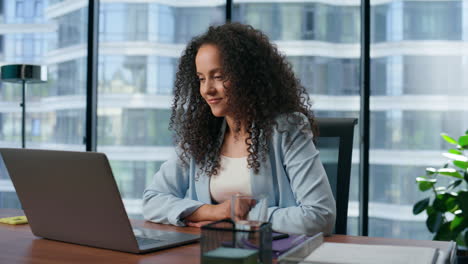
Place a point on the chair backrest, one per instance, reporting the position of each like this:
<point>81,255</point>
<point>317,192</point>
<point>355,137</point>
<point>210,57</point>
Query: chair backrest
<point>335,143</point>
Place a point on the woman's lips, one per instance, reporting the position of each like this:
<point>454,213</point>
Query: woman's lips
<point>214,101</point>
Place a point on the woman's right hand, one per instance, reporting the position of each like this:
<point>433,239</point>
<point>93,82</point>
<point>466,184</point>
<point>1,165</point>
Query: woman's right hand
<point>215,212</point>
<point>222,210</point>
<point>242,207</point>
<point>211,212</point>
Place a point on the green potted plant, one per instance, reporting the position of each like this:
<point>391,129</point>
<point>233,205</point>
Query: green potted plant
<point>447,206</point>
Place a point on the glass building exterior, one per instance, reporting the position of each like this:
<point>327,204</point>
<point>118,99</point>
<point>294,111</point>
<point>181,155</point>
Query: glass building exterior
<point>418,56</point>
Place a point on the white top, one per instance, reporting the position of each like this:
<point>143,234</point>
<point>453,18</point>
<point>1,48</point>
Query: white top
<point>233,178</point>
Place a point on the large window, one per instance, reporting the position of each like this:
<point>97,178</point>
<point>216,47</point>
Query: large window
<point>321,41</point>
<point>140,44</point>
<point>418,90</point>
<point>47,34</point>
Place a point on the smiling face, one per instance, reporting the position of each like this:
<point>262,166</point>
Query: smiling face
<point>212,80</point>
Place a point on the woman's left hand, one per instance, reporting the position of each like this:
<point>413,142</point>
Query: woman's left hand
<point>197,224</point>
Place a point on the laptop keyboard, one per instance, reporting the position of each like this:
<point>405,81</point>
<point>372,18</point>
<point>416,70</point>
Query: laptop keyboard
<point>146,241</point>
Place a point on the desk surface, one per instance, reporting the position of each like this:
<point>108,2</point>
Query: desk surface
<point>19,245</point>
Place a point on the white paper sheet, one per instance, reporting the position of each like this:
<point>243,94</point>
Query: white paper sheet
<point>366,254</point>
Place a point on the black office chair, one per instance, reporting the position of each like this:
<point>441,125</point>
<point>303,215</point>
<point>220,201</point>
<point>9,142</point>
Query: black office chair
<point>335,143</point>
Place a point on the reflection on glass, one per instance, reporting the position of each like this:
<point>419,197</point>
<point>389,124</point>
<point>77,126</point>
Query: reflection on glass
<point>47,33</point>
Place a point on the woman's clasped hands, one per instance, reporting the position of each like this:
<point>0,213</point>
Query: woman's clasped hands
<point>237,209</point>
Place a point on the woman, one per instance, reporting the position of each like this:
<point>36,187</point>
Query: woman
<point>243,125</point>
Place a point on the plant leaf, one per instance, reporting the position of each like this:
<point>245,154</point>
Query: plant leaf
<point>424,186</point>
<point>455,151</point>
<point>430,210</point>
<point>444,233</point>
<point>454,209</point>
<point>449,139</point>
<point>425,183</point>
<point>461,164</point>
<point>430,171</point>
<point>439,203</point>
<point>420,206</point>
<point>455,157</point>
<point>450,172</point>
<point>425,179</point>
<point>457,224</point>
<point>450,203</point>
<point>463,141</point>
<point>454,184</point>
<point>434,221</point>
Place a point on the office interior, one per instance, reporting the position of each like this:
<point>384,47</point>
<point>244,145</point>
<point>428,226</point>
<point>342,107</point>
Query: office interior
<point>414,53</point>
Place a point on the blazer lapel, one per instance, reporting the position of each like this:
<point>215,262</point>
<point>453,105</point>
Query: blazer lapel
<point>264,183</point>
<point>202,186</point>
<point>202,183</point>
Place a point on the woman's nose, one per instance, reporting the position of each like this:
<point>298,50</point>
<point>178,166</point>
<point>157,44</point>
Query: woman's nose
<point>208,87</point>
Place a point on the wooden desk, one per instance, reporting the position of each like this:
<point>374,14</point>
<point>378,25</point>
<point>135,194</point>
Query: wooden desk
<point>19,245</point>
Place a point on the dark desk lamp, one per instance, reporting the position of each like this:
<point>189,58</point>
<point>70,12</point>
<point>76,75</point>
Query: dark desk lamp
<point>23,73</point>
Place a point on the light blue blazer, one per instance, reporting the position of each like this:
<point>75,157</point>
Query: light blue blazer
<point>292,177</point>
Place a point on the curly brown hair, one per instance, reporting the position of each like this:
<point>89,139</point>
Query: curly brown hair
<point>262,86</point>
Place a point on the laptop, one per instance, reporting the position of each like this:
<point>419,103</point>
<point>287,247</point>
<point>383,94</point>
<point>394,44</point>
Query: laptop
<point>73,197</point>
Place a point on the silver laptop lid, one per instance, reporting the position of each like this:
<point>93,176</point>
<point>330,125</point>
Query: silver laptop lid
<point>71,197</point>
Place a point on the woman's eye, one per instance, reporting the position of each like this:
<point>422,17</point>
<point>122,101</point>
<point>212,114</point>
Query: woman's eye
<point>219,77</point>
<point>201,79</point>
